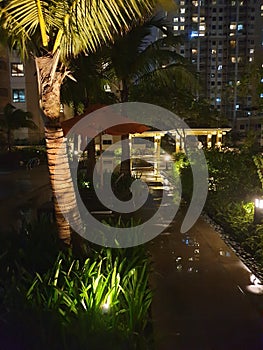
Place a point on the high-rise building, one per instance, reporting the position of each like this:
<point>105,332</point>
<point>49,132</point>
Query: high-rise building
<point>224,39</point>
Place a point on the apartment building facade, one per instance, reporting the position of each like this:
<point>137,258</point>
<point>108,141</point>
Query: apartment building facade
<point>224,39</point>
<point>18,86</point>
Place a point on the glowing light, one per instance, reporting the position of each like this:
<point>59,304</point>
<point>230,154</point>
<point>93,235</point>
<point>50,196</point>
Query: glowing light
<point>259,203</point>
<point>254,280</point>
<point>194,34</point>
<point>105,308</point>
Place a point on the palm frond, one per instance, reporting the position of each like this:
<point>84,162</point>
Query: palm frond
<point>73,26</point>
<point>174,76</point>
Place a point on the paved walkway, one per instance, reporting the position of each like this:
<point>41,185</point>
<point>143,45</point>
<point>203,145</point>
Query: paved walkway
<point>204,296</point>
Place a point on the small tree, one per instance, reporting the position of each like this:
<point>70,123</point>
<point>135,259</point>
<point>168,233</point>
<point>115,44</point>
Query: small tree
<point>13,119</point>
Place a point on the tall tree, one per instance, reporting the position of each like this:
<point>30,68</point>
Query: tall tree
<point>138,58</point>
<point>54,31</point>
<point>13,119</point>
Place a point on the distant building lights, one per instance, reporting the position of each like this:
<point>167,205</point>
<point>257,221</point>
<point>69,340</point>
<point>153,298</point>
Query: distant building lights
<point>194,34</point>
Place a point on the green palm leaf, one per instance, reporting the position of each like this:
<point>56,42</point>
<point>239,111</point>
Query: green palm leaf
<point>71,26</point>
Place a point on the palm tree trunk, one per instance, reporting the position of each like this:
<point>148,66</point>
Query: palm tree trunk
<point>60,179</point>
<point>50,80</point>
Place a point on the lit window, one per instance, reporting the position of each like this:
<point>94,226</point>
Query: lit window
<point>240,27</point>
<point>232,43</point>
<point>233,26</point>
<point>195,3</point>
<point>250,59</point>
<point>194,51</point>
<point>220,67</point>
<point>181,27</point>
<point>182,10</point>
<point>175,27</point>
<point>182,19</point>
<point>195,19</point>
<point>234,60</point>
<point>218,99</point>
<point>19,95</point>
<point>261,95</point>
<point>261,80</point>
<point>251,51</point>
<point>213,51</point>
<point>175,19</point>
<point>17,69</point>
<point>194,34</point>
<point>237,106</point>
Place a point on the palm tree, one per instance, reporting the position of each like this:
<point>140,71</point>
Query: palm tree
<point>137,58</point>
<point>53,32</point>
<point>14,119</point>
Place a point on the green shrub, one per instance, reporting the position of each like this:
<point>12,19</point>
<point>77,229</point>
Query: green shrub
<point>60,300</point>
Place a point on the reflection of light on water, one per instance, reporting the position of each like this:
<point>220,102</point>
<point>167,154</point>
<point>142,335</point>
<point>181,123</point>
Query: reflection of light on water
<point>166,182</point>
<point>179,267</point>
<point>255,289</point>
<point>224,253</point>
<point>254,279</point>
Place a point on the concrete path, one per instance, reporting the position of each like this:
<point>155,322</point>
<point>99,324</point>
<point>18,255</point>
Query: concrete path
<point>204,296</point>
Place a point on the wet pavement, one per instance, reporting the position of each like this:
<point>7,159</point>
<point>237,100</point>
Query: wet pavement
<point>205,298</point>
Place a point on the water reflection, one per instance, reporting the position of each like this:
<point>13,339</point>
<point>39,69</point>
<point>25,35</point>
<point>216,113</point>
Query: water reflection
<point>189,262</point>
<point>224,253</point>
